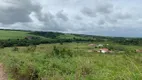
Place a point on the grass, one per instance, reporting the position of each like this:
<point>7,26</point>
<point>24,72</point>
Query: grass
<point>13,34</point>
<point>41,64</point>
<point>10,34</point>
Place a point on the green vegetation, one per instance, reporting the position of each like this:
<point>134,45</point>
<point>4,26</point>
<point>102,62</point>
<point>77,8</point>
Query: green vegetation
<point>70,61</point>
<point>6,34</point>
<point>30,55</point>
<point>16,34</point>
<point>10,38</point>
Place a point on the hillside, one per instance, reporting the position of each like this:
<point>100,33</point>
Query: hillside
<point>24,38</point>
<point>19,34</point>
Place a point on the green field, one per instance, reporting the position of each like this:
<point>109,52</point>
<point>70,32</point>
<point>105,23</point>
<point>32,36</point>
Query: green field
<point>40,63</point>
<point>13,34</point>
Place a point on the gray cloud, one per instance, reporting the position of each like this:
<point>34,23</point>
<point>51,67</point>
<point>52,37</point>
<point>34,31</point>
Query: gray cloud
<point>77,17</point>
<point>111,19</point>
<point>89,12</point>
<point>18,11</point>
<point>51,22</point>
<point>104,7</point>
<point>101,22</point>
<point>61,15</point>
<point>99,7</point>
<point>123,16</point>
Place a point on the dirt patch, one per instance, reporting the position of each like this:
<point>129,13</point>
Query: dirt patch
<point>3,75</point>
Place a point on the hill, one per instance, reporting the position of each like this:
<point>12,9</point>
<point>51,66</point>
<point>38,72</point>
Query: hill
<point>20,34</point>
<point>24,38</point>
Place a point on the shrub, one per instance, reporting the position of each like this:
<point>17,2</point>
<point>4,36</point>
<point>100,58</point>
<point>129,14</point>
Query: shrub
<point>30,72</point>
<point>85,70</point>
<point>62,52</point>
<point>1,46</point>
<point>21,68</point>
<point>31,48</point>
<point>15,49</point>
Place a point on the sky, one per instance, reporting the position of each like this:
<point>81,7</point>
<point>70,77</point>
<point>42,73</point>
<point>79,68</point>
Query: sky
<point>94,17</point>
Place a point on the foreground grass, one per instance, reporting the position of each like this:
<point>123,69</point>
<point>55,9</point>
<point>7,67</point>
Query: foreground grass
<point>42,65</point>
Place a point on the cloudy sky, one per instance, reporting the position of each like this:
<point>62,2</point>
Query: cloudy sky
<point>95,17</point>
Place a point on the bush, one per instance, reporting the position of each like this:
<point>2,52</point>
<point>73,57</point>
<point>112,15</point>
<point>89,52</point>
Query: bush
<point>31,48</point>
<point>21,68</point>
<point>62,52</point>
<point>1,46</point>
<point>15,49</point>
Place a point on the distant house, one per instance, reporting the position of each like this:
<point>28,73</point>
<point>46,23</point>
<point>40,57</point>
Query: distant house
<point>104,50</point>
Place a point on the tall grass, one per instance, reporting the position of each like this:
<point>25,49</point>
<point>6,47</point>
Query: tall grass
<point>65,62</point>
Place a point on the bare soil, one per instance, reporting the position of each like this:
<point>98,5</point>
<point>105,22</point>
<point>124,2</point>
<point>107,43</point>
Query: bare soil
<point>3,75</point>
